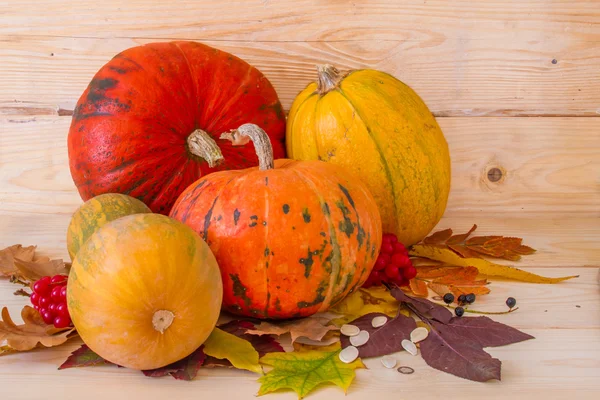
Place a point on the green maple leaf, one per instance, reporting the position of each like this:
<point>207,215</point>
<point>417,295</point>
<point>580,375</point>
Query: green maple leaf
<point>304,371</point>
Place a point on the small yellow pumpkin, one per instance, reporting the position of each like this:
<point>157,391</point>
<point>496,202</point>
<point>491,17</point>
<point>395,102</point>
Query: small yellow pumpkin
<point>144,291</point>
<point>377,127</point>
<point>97,212</point>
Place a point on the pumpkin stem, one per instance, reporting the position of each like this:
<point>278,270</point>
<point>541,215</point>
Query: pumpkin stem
<point>202,145</point>
<point>262,143</point>
<point>329,78</point>
<point>162,319</point>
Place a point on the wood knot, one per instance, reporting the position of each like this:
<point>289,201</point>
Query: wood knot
<point>495,174</point>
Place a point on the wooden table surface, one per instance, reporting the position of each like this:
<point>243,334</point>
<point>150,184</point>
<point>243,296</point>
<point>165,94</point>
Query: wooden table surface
<point>515,86</point>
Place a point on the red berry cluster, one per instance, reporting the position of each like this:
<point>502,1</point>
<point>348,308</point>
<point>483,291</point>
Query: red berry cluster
<point>49,298</point>
<point>393,264</point>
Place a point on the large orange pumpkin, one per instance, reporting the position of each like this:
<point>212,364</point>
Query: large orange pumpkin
<point>378,128</point>
<point>292,238</point>
<point>144,291</point>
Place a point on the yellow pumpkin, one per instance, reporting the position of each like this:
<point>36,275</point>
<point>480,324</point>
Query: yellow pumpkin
<point>97,212</point>
<point>144,291</point>
<point>380,129</point>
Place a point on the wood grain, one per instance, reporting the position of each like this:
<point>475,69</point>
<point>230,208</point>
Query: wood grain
<point>549,193</point>
<point>464,58</point>
<point>563,357</point>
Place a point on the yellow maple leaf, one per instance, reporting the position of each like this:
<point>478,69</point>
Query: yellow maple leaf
<point>485,267</point>
<point>364,301</point>
<point>304,371</point>
<point>239,352</point>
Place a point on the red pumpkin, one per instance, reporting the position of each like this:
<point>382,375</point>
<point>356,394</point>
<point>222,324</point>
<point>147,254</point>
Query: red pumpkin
<point>148,124</point>
<point>291,238</point>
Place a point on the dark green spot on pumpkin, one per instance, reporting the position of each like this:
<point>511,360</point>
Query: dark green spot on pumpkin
<point>346,226</point>
<point>320,297</point>
<point>306,215</point>
<point>236,216</point>
<point>323,234</point>
<point>286,208</point>
<point>325,208</point>
<point>252,224</point>
<point>207,218</point>
<point>307,262</point>
<point>277,304</point>
<point>239,290</point>
<point>267,251</point>
<point>266,181</point>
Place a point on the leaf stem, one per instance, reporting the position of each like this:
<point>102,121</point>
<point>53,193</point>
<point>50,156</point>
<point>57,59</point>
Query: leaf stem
<point>477,311</point>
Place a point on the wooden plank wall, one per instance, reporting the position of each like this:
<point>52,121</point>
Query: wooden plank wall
<point>515,86</point>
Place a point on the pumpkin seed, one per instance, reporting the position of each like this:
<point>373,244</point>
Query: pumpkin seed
<point>388,361</point>
<point>360,339</point>
<point>349,330</point>
<point>410,347</point>
<point>379,321</point>
<point>418,335</point>
<point>348,355</point>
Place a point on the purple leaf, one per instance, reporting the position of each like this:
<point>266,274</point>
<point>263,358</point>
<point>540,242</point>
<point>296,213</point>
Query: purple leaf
<point>384,340</point>
<point>449,352</point>
<point>457,347</point>
<point>424,306</point>
<point>487,332</point>
<point>185,369</point>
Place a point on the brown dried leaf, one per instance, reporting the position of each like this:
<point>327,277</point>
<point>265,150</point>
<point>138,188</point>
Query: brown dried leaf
<point>34,270</point>
<point>456,239</point>
<point>33,331</point>
<point>439,288</point>
<point>510,255</point>
<point>8,255</point>
<point>313,328</point>
<point>419,287</point>
<point>439,237</point>
<point>464,251</point>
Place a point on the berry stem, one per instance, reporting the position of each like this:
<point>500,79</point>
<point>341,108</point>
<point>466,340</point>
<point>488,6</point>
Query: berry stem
<point>479,312</point>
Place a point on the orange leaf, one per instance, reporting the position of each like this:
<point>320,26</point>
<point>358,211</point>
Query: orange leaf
<point>492,252</point>
<point>438,237</point>
<point>456,239</point>
<point>463,275</point>
<point>504,242</point>
<point>480,240</point>
<point>524,250</point>
<point>419,287</point>
<point>464,251</point>
<point>436,272</point>
<point>511,255</point>
<point>439,288</point>
<point>476,290</point>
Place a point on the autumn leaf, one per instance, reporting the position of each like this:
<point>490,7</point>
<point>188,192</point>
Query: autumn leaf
<point>424,306</point>
<point>262,344</point>
<point>27,336</point>
<point>509,248</point>
<point>302,372</point>
<point>83,357</point>
<point>419,287</point>
<point>457,347</point>
<point>239,352</point>
<point>384,340</point>
<point>485,267</point>
<point>8,256</point>
<point>185,369</point>
<point>327,343</point>
<point>465,289</point>
<point>312,327</point>
<point>365,301</point>
<point>34,270</point>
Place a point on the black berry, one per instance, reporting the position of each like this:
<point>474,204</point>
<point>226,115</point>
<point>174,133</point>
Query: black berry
<point>459,311</point>
<point>470,298</point>
<point>448,298</point>
<point>511,302</point>
<point>462,299</point>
